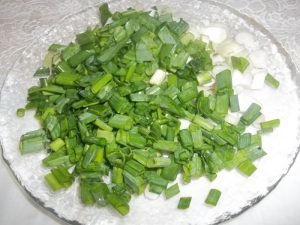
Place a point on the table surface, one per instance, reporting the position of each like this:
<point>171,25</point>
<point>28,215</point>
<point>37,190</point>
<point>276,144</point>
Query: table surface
<point>23,20</point>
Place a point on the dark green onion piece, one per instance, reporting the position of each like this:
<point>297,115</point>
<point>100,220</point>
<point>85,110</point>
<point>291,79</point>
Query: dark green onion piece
<point>105,14</point>
<point>184,202</point>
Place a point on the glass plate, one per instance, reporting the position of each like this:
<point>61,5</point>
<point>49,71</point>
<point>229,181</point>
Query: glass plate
<point>238,192</point>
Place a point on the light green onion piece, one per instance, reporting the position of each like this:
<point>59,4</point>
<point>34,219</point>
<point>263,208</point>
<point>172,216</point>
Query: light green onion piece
<point>247,167</point>
<point>21,112</point>
<point>234,103</point>
<point>121,122</point>
<point>169,146</point>
<point>269,124</point>
<point>57,144</point>
<point>239,63</point>
<point>172,191</point>
<point>213,197</point>
<point>272,81</point>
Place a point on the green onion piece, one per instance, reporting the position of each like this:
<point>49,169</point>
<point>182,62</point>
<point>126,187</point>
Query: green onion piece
<point>21,112</point>
<point>186,138</point>
<point>56,144</point>
<point>204,78</point>
<point>121,206</point>
<point>101,83</point>
<point>105,14</point>
<point>247,167</point>
<point>269,124</point>
<point>272,81</point>
<point>143,53</point>
<point>66,78</point>
<point>234,103</point>
<point>224,81</point>
<point>139,97</point>
<point>239,63</point>
<point>222,104</point>
<point>104,126</point>
<point>87,117</point>
<point>136,183</point>
<point>184,202</point>
<point>33,141</point>
<point>117,175</point>
<point>213,197</point>
<point>119,104</point>
<point>244,140</point>
<point>79,57</point>
<point>187,95</point>
<point>196,136</point>
<point>251,114</point>
<point>107,135</point>
<point>136,140</point>
<point>42,72</point>
<point>90,155</point>
<point>172,191</point>
<point>52,182</point>
<point>121,122</point>
<point>203,123</point>
<point>170,172</point>
<point>158,162</point>
<point>169,146</point>
<point>166,36</point>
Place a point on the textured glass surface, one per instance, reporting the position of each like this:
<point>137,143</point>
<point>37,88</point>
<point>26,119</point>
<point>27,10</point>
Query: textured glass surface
<point>238,192</point>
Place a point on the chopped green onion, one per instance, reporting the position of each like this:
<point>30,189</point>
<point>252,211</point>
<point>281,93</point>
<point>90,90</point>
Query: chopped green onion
<point>247,168</point>
<point>21,112</point>
<point>213,197</point>
<point>251,114</point>
<point>272,81</point>
<point>168,146</point>
<point>269,124</point>
<point>172,191</point>
<point>234,103</point>
<point>121,122</point>
<point>184,202</point>
<point>239,63</point>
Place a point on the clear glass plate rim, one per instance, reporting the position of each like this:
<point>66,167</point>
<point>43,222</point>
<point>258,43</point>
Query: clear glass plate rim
<point>290,64</point>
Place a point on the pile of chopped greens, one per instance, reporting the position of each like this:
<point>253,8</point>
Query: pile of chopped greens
<point>110,104</point>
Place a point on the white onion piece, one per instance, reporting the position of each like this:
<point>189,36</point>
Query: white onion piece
<point>150,195</point>
<point>158,77</point>
<point>217,59</point>
<point>205,39</point>
<point>184,124</point>
<point>259,59</point>
<point>257,122</point>
<point>245,38</point>
<point>245,100</point>
<point>258,81</point>
<point>218,69</point>
<point>229,48</point>
<point>233,118</point>
<point>237,78</point>
<point>207,90</point>
<point>216,34</point>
